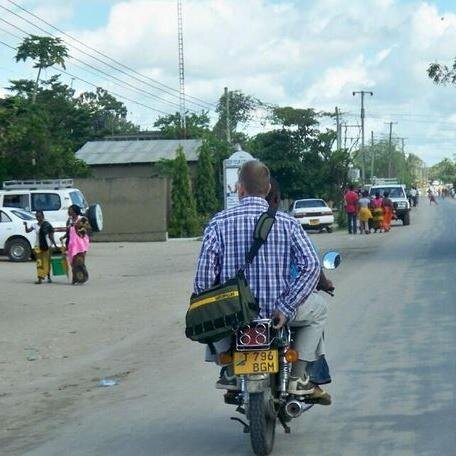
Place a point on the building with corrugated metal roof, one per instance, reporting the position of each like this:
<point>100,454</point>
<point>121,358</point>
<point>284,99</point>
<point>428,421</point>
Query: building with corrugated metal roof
<point>134,157</point>
<point>136,201</point>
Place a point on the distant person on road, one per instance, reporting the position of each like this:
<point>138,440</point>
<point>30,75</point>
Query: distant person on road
<point>377,212</point>
<point>351,208</point>
<point>431,196</point>
<point>364,213</point>
<point>77,236</point>
<point>388,212</point>
<point>44,240</point>
<point>414,195</point>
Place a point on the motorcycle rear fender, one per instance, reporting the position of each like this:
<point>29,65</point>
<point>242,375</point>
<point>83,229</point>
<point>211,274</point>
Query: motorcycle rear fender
<point>257,383</point>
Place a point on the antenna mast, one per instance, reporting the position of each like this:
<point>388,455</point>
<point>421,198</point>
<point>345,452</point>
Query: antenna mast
<point>180,42</point>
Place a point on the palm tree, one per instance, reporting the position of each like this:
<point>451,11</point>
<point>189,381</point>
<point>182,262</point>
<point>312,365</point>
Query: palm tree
<point>45,51</point>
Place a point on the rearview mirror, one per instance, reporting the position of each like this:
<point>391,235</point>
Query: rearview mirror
<point>331,260</point>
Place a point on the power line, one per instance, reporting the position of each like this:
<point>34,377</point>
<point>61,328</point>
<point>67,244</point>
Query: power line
<point>96,86</point>
<point>105,55</point>
<point>125,83</point>
<point>7,45</point>
<point>84,63</point>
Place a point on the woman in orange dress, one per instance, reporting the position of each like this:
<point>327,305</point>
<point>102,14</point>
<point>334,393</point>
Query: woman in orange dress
<point>377,212</point>
<point>388,212</point>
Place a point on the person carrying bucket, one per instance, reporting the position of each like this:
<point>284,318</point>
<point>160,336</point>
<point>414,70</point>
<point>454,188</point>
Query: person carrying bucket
<point>44,239</point>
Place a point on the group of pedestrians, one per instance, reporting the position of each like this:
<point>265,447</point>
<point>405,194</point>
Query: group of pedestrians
<point>76,239</point>
<point>371,213</point>
<point>440,192</point>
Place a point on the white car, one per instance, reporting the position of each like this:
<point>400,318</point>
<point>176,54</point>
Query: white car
<point>313,213</point>
<point>14,241</point>
<point>53,197</point>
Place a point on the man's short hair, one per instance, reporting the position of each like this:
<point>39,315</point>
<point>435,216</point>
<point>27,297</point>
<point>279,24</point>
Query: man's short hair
<point>255,178</point>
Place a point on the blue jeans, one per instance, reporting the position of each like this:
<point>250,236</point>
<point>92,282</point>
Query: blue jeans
<point>318,371</point>
<point>352,223</point>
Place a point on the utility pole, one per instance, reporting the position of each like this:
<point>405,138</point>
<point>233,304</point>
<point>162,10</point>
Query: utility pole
<point>363,115</point>
<point>180,49</point>
<point>372,157</point>
<point>338,129</point>
<point>227,110</point>
<point>346,127</point>
<point>390,149</point>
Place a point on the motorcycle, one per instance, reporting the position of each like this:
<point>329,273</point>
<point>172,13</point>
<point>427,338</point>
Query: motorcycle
<point>262,358</point>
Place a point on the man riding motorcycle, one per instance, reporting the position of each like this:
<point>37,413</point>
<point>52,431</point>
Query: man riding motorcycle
<point>280,296</point>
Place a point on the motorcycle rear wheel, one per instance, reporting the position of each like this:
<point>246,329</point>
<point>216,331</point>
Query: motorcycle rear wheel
<point>262,419</point>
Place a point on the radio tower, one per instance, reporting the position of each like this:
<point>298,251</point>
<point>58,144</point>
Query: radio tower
<point>180,43</point>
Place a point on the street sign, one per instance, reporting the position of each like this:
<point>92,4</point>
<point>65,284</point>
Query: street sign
<point>231,167</point>
<point>354,174</point>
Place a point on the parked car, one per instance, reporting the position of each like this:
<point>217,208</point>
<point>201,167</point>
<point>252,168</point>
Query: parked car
<point>53,197</point>
<point>14,241</point>
<point>399,198</point>
<point>313,213</point>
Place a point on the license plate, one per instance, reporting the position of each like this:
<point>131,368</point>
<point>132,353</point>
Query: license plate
<point>314,221</point>
<point>258,362</point>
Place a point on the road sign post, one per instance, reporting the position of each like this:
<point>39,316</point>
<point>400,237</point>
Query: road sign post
<point>231,167</point>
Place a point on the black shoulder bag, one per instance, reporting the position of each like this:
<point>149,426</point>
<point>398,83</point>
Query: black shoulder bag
<point>220,310</point>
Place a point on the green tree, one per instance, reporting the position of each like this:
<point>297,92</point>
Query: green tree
<point>45,51</point>
<point>108,116</point>
<point>241,108</point>
<point>205,191</point>
<point>442,74</point>
<point>407,169</point>
<point>39,140</point>
<point>197,125</point>
<point>300,156</point>
<point>28,146</point>
<point>184,220</point>
<point>444,171</point>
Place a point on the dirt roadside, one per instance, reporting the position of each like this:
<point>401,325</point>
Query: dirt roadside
<point>57,341</point>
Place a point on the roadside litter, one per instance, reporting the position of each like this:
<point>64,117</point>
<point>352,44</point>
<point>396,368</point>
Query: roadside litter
<point>105,382</point>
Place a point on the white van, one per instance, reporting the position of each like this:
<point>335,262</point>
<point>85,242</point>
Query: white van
<point>53,197</point>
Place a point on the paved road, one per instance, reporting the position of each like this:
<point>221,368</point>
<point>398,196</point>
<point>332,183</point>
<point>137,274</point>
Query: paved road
<point>391,344</point>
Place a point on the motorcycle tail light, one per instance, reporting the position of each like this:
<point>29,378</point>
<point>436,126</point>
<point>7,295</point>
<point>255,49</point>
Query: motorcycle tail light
<point>292,356</point>
<point>225,358</point>
<point>255,336</point>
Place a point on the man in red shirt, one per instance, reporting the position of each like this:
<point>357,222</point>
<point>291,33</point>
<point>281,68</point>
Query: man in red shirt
<point>351,207</point>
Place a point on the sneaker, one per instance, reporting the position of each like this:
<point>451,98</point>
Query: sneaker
<point>228,383</point>
<point>300,387</point>
<point>319,396</point>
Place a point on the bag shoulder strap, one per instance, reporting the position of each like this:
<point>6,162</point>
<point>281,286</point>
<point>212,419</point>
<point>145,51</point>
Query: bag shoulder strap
<point>260,234</point>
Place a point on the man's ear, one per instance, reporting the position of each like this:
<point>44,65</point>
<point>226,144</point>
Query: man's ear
<point>241,190</point>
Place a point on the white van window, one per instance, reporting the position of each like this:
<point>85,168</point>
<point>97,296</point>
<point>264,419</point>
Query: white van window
<point>78,198</point>
<point>24,215</point>
<point>45,202</point>
<point>4,218</point>
<point>15,200</point>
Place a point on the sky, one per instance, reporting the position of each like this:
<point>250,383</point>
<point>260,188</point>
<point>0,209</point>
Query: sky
<point>299,53</point>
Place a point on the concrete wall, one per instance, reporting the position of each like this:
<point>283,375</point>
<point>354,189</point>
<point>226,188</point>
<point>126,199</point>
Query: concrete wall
<point>131,170</point>
<point>134,170</point>
<point>134,208</point>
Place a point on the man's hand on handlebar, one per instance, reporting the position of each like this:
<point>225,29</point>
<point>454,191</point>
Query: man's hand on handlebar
<point>278,319</point>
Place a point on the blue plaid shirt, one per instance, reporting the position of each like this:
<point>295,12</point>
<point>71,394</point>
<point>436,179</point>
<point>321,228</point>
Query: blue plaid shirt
<point>229,236</point>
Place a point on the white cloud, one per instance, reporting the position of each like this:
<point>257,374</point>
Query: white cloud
<point>290,52</point>
<point>54,12</point>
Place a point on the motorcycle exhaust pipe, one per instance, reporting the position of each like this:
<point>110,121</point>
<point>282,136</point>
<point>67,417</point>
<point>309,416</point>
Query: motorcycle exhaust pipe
<point>294,408</point>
